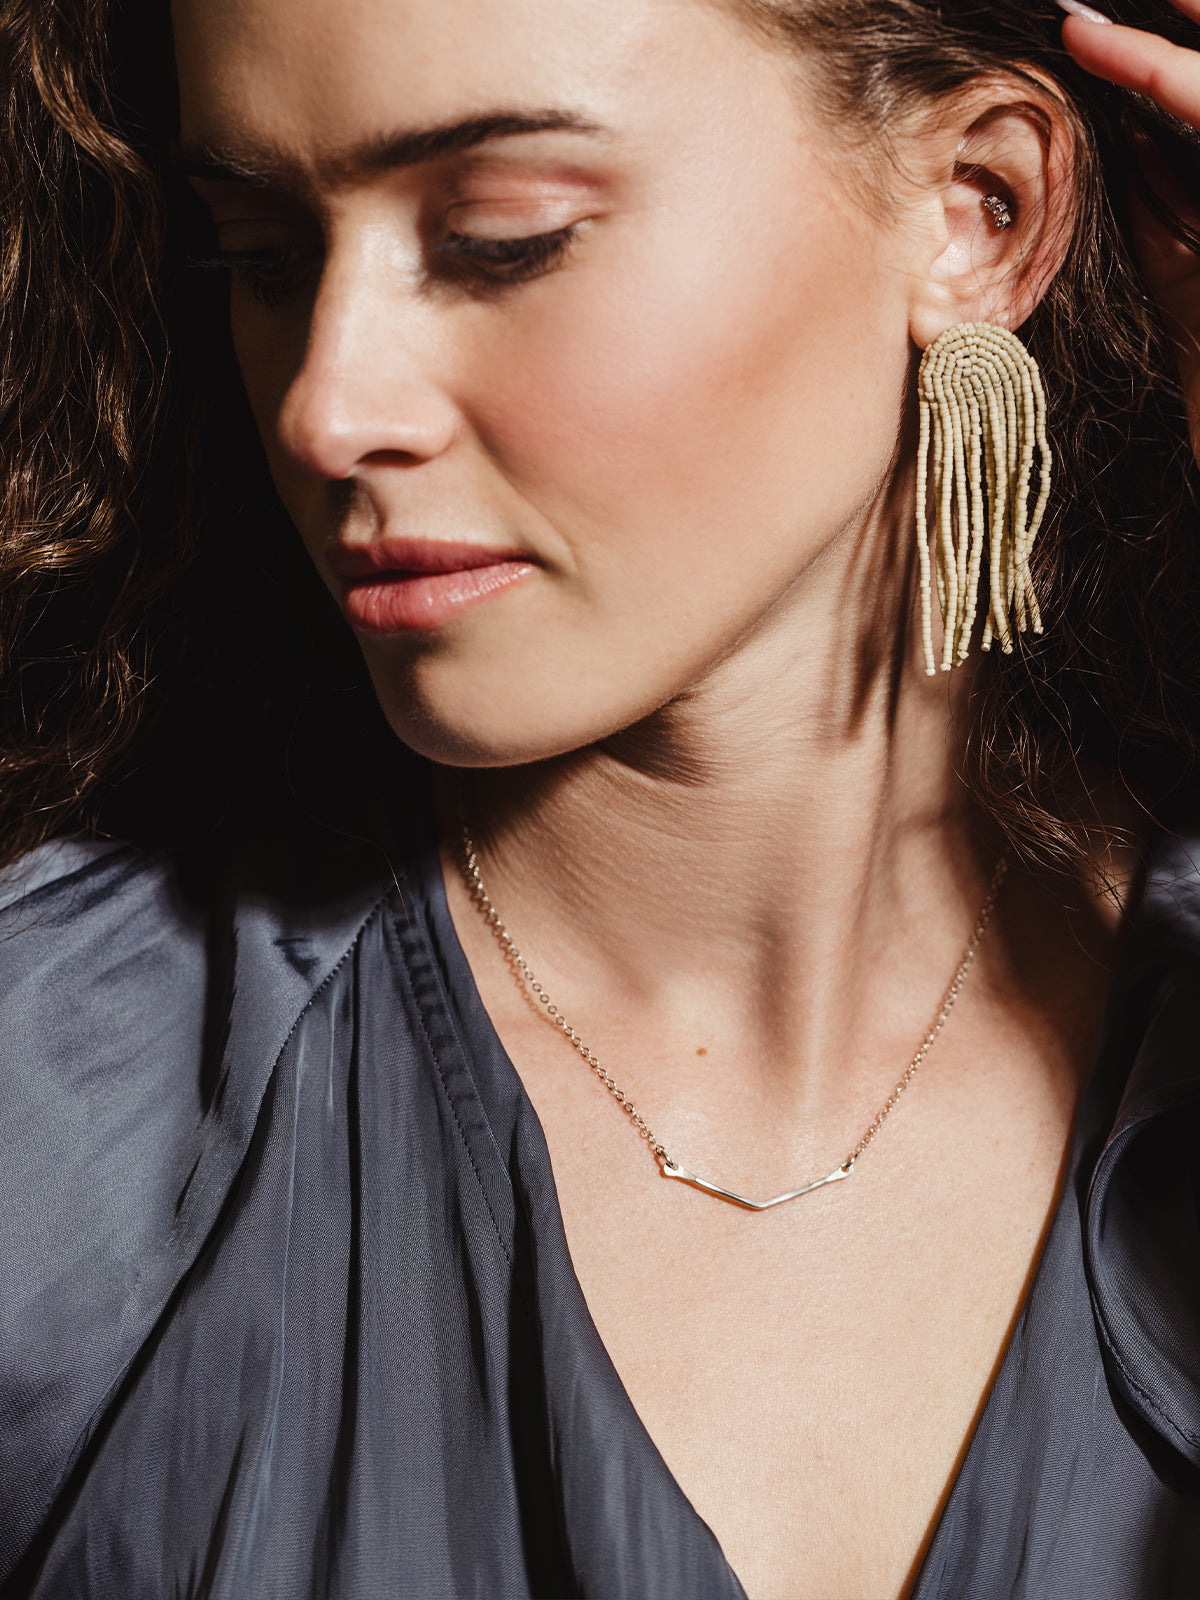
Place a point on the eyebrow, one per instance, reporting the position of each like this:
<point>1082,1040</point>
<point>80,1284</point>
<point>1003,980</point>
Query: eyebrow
<point>386,153</point>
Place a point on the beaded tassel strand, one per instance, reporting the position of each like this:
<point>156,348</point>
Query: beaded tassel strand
<point>983,421</point>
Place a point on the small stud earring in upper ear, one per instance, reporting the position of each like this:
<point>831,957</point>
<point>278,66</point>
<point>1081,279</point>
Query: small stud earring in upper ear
<point>998,210</point>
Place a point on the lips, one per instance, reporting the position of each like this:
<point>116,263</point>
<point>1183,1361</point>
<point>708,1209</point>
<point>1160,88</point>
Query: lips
<point>417,585</point>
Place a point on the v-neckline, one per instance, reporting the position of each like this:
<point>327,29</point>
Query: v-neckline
<point>465,1001</point>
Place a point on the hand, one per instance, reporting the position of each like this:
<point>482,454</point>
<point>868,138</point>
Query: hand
<point>1170,75</point>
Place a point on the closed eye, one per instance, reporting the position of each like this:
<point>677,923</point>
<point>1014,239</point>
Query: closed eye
<point>270,274</point>
<point>502,262</point>
<point>274,272</point>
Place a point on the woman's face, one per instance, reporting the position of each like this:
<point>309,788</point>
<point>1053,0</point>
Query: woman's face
<point>569,346</point>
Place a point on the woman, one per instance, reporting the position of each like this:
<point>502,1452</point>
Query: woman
<point>582,342</point>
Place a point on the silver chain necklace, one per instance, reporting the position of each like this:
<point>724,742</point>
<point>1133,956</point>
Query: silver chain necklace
<point>671,1168</point>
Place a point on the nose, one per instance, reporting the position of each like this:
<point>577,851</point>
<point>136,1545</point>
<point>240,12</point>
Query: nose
<point>368,386</point>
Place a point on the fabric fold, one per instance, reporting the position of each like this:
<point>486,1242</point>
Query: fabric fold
<point>113,1169</point>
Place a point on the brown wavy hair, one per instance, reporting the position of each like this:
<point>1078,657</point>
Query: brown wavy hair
<point>168,661</point>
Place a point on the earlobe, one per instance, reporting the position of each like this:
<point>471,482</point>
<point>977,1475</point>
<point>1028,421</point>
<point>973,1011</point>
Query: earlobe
<point>1007,209</point>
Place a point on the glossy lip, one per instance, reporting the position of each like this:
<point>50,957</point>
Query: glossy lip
<point>415,585</point>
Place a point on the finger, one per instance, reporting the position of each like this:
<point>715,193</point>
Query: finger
<point>1190,8</point>
<point>1140,61</point>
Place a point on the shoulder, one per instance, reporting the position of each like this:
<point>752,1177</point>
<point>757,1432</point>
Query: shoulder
<point>111,944</point>
<point>103,973</point>
<point>129,980</point>
<point>83,925</point>
<point>1140,1238</point>
<point>144,999</point>
<point>1171,898</point>
<point>145,1004</point>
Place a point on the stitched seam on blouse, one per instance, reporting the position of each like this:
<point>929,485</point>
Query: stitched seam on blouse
<point>329,977</point>
<point>462,1133</point>
<point>446,1090</point>
<point>1137,1388</point>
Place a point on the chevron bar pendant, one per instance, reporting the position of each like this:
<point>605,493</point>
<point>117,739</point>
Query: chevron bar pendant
<point>672,1169</point>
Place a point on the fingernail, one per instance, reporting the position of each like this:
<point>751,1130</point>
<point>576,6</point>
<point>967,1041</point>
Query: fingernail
<point>1078,9</point>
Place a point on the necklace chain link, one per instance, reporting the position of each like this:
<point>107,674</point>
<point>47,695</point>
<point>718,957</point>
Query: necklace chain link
<point>473,877</point>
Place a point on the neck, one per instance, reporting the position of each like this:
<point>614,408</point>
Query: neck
<point>753,855</point>
<point>673,845</point>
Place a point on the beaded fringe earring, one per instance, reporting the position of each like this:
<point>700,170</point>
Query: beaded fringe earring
<point>983,411</point>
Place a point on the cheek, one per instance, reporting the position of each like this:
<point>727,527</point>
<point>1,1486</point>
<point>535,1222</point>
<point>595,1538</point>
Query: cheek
<point>748,385</point>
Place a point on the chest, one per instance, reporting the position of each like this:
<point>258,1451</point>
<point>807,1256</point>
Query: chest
<point>812,1375</point>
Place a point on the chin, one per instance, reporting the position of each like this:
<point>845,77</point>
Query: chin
<point>487,727</point>
<point>507,703</point>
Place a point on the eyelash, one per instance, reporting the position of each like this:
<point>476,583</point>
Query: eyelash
<point>270,275</point>
<point>491,264</point>
<point>505,261</point>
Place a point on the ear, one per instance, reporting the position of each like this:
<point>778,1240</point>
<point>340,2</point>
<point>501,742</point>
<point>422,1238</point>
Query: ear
<point>993,140</point>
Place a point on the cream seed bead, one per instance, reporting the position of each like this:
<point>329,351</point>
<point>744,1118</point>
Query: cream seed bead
<point>983,432</point>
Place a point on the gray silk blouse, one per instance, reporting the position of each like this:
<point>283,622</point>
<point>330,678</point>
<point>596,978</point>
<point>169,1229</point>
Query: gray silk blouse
<point>287,1310</point>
